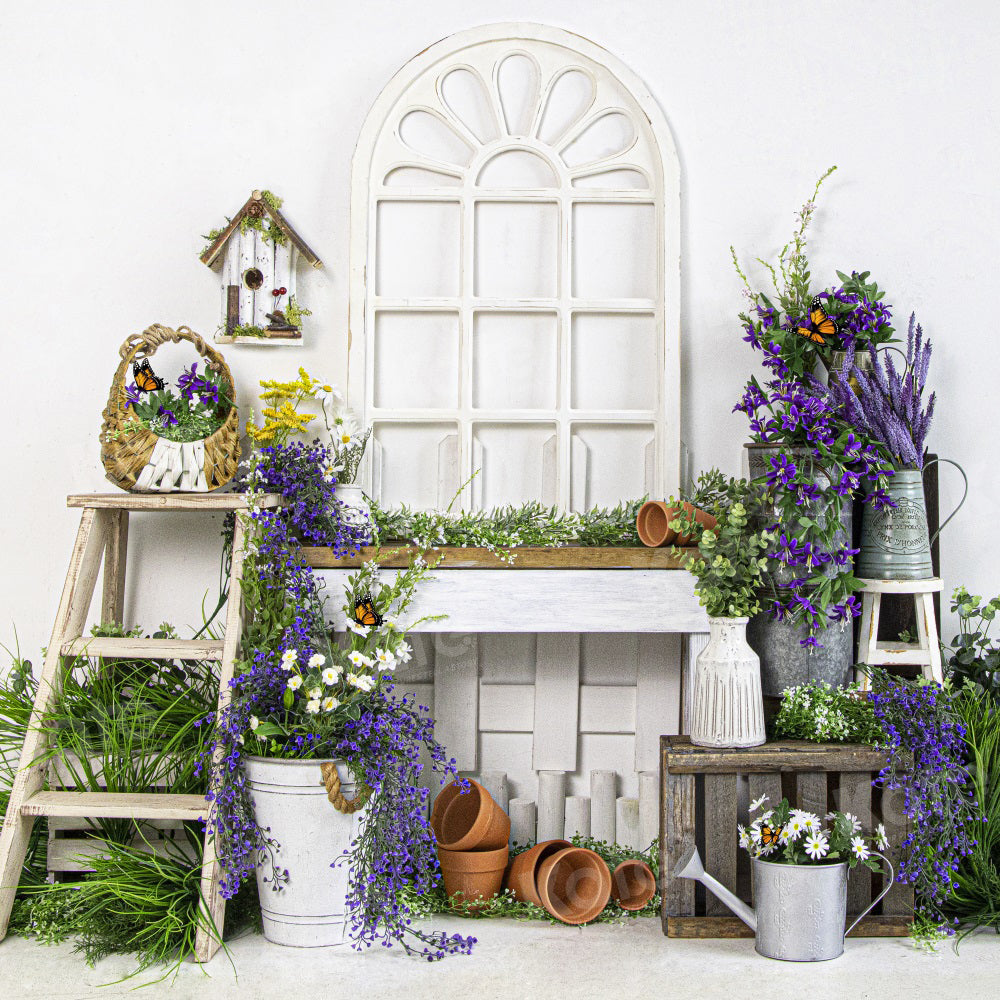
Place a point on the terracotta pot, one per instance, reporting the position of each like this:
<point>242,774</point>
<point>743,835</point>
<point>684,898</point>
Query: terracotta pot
<point>477,875</point>
<point>633,884</point>
<point>574,885</point>
<point>469,821</point>
<point>523,872</point>
<point>653,523</point>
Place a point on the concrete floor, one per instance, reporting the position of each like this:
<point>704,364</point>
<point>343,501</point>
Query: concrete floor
<point>515,960</point>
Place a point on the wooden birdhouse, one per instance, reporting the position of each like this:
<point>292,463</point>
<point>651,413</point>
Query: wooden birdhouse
<point>256,255</point>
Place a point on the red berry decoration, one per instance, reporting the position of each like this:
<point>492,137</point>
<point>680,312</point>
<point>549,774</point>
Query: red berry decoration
<point>282,290</point>
<point>275,292</point>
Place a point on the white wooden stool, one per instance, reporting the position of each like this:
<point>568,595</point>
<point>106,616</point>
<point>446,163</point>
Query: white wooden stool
<point>925,652</point>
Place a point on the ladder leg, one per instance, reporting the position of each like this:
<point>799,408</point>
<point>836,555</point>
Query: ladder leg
<point>77,593</point>
<point>868,636</point>
<point>928,623</point>
<point>209,934</point>
<point>113,593</point>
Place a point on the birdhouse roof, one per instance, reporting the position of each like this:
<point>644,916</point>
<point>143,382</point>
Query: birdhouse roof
<point>212,254</point>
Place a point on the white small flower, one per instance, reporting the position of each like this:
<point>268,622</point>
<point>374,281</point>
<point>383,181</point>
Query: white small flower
<point>331,675</point>
<point>881,837</point>
<point>403,651</point>
<point>254,722</point>
<point>855,823</point>
<point>859,848</point>
<point>239,739</point>
<point>390,623</point>
<point>316,660</point>
<point>294,682</point>
<point>312,706</point>
<point>358,629</point>
<point>758,803</point>
<point>361,682</point>
<point>315,693</point>
<point>289,658</point>
<point>817,846</point>
<point>810,821</point>
<point>744,837</point>
<point>795,827</point>
<point>330,703</point>
<point>385,659</point>
<point>356,657</point>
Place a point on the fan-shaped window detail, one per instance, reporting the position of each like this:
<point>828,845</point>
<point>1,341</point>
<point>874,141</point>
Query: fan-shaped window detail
<point>515,276</point>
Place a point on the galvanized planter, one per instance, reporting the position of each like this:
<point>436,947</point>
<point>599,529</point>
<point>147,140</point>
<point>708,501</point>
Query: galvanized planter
<point>290,800</point>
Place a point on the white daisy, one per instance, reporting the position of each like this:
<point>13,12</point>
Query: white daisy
<point>330,703</point>
<point>744,837</point>
<point>795,827</point>
<point>361,682</point>
<point>881,837</point>
<point>294,682</point>
<point>403,651</point>
<point>316,660</point>
<point>817,846</point>
<point>357,657</point>
<point>289,658</point>
<point>758,803</point>
<point>809,820</point>
<point>315,693</point>
<point>312,706</point>
<point>859,848</point>
<point>331,675</point>
<point>358,629</point>
<point>385,659</point>
<point>254,722</point>
<point>855,822</point>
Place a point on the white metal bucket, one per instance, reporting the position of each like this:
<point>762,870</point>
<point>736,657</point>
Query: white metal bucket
<point>308,910</point>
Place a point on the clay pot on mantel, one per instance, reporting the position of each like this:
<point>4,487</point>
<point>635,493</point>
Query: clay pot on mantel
<point>633,884</point>
<point>574,885</point>
<point>522,876</point>
<point>653,523</point>
<point>469,821</point>
<point>477,875</point>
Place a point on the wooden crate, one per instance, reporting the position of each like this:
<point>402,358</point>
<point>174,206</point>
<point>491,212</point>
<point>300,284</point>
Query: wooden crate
<point>707,791</point>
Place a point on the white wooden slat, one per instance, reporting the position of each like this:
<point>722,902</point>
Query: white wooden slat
<point>245,248</point>
<point>263,300</point>
<point>551,804</point>
<point>495,782</point>
<point>522,821</point>
<point>550,471</point>
<point>557,685</point>
<point>506,708</point>
<point>456,697</point>
<point>587,600</point>
<point>579,473</point>
<point>627,823</point>
<point>605,709</point>
<point>694,643</point>
<point>283,271</point>
<point>577,816</point>
<point>448,475</point>
<point>603,795</point>
<point>649,807</point>
<point>507,658</point>
<point>657,696</point>
<point>293,266</point>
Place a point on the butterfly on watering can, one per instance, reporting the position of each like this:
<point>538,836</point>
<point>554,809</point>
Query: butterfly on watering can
<point>821,327</point>
<point>365,613</point>
<point>144,377</point>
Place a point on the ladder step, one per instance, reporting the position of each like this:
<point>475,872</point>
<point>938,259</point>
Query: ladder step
<point>904,653</point>
<point>116,805</point>
<point>145,649</point>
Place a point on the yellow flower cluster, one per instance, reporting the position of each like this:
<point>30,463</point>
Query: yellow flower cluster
<point>281,414</point>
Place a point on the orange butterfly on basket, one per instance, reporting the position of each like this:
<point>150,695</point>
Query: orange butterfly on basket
<point>365,613</point>
<point>769,836</point>
<point>821,326</point>
<point>144,377</point>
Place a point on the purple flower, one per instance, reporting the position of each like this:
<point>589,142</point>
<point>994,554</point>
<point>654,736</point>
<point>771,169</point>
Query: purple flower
<point>132,394</point>
<point>168,416</point>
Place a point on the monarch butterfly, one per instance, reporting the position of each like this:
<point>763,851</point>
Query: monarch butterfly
<point>144,377</point>
<point>365,613</point>
<point>821,326</point>
<point>769,836</point>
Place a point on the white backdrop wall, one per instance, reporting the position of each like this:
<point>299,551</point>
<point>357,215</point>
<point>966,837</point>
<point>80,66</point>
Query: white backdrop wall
<point>128,132</point>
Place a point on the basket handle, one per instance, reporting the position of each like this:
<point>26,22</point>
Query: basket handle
<point>145,343</point>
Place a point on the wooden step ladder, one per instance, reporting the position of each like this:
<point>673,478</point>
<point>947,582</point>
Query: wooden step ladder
<point>103,536</point>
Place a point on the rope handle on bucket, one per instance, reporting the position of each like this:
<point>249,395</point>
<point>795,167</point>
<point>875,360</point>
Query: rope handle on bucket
<point>332,782</point>
<point>878,898</point>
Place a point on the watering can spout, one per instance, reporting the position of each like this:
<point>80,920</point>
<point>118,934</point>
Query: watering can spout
<point>690,866</point>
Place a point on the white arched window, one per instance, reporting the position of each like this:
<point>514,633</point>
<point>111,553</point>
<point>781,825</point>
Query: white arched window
<point>515,276</point>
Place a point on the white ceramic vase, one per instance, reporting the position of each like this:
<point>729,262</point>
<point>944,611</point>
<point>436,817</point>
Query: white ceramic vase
<point>728,708</point>
<point>355,510</point>
<point>308,910</point>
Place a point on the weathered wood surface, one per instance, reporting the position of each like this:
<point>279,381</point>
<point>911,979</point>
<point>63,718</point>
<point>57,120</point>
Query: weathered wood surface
<point>116,805</point>
<point>551,805</point>
<point>810,792</point>
<point>557,704</point>
<point>856,798</point>
<point>733,927</point>
<point>144,649</point>
<point>170,501</point>
<point>677,823</point>
<point>720,836</point>
<point>603,795</point>
<point>782,755</point>
<point>397,555</point>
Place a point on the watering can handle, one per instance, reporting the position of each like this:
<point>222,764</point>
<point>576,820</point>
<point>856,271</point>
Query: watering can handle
<point>878,898</point>
<point>934,461</point>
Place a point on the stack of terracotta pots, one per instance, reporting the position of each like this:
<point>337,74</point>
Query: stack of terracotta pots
<point>472,832</point>
<point>653,523</point>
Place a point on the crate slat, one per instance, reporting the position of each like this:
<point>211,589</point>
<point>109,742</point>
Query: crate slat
<point>720,835</point>
<point>856,798</point>
<point>677,819</point>
<point>810,792</point>
<point>899,899</point>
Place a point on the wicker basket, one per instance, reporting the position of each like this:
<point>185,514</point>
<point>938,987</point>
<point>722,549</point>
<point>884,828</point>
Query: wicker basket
<point>137,459</point>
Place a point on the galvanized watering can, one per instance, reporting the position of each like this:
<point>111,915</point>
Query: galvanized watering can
<point>801,909</point>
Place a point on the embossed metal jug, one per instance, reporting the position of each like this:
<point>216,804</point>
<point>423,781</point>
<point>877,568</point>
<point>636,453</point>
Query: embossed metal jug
<point>801,910</point>
<point>894,540</point>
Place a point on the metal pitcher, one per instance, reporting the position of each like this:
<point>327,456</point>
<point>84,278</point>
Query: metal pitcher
<point>801,910</point>
<point>894,540</point>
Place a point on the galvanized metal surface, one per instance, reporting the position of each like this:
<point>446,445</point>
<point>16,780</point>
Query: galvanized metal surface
<point>895,544</point>
<point>784,662</point>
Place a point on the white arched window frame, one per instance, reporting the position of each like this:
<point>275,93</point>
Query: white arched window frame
<point>515,276</point>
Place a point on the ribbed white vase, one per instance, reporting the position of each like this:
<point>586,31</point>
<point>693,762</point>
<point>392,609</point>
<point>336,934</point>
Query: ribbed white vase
<point>728,708</point>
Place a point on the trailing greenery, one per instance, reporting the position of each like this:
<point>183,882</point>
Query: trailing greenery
<point>294,312</point>
<point>505,528</point>
<point>249,330</point>
<point>824,714</point>
<point>731,554</point>
<point>974,656</point>
<point>506,905</point>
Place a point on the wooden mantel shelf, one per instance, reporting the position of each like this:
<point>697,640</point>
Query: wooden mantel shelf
<point>525,557</point>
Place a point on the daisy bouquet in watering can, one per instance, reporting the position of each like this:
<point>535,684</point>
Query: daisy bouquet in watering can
<point>800,869</point>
